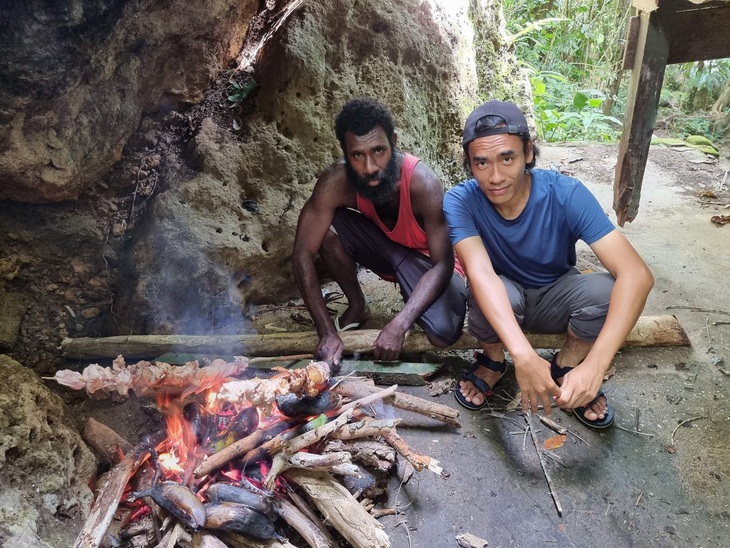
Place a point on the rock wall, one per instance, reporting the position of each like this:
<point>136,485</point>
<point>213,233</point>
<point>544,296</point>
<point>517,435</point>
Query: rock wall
<point>76,75</point>
<point>192,227</point>
<point>219,243</point>
<point>45,467</point>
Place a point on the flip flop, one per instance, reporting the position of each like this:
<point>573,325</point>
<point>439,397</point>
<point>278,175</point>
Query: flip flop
<point>480,384</point>
<point>557,372</point>
<point>353,325</point>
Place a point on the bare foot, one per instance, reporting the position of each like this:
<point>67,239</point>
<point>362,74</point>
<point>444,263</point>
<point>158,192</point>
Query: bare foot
<point>353,315</point>
<point>471,393</point>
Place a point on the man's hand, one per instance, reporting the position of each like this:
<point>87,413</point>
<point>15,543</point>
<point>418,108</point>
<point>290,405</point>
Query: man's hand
<point>536,384</point>
<point>389,342</point>
<point>330,348</point>
<point>579,386</point>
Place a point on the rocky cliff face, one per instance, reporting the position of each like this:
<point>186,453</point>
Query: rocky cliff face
<point>77,74</point>
<point>174,207</point>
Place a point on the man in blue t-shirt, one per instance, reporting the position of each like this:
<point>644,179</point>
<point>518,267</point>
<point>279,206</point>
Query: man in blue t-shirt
<point>514,229</point>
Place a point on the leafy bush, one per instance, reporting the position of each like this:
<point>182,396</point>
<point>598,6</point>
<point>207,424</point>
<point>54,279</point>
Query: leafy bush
<point>565,113</point>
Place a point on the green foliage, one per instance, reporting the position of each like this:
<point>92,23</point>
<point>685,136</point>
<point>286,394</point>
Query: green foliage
<point>237,92</point>
<point>565,113</point>
<point>573,51</point>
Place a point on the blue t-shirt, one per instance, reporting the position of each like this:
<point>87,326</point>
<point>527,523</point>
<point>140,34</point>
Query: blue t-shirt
<point>537,247</point>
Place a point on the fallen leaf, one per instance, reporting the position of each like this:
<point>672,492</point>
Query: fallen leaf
<point>720,220</point>
<point>671,449</point>
<point>708,194</point>
<point>554,442</point>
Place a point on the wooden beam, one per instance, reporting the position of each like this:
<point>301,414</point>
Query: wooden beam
<point>662,330</point>
<point>696,32</point>
<point>641,108</point>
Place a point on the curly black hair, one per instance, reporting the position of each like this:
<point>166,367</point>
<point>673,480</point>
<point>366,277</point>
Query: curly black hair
<point>361,116</point>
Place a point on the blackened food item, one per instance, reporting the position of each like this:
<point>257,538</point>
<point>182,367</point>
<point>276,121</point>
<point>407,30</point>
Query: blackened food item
<point>306,406</point>
<point>226,492</point>
<point>230,516</point>
<point>177,499</point>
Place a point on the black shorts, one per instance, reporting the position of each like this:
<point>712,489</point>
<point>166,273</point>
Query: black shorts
<point>368,246</point>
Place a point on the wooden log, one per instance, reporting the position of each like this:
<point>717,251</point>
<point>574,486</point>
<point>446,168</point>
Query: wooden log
<point>102,511</point>
<point>240,448</point>
<point>104,441</point>
<point>354,388</point>
<point>301,504</point>
<point>234,540</point>
<point>649,331</point>
<point>417,460</point>
<point>340,509</point>
<point>312,533</point>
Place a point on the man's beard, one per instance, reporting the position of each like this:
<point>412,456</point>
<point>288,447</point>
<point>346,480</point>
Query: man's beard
<point>381,193</point>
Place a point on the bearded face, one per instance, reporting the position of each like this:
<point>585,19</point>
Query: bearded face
<point>388,178</point>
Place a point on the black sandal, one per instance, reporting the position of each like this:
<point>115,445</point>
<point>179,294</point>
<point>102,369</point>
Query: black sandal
<point>557,372</point>
<point>480,361</point>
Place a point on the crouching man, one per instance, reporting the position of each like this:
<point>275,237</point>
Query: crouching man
<point>514,228</point>
<point>383,209</point>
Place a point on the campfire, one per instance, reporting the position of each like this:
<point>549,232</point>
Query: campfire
<point>298,458</point>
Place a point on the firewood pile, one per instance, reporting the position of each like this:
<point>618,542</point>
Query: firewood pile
<point>299,458</point>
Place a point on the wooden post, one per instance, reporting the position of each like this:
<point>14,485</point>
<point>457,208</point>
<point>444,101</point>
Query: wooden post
<point>650,60</point>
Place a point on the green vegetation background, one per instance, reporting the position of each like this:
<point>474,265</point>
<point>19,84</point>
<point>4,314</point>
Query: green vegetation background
<point>572,51</point>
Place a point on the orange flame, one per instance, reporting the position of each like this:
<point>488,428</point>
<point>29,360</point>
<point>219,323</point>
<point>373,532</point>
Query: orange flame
<point>180,438</point>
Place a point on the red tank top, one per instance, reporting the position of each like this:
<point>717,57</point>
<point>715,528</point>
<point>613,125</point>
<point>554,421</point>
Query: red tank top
<point>406,231</point>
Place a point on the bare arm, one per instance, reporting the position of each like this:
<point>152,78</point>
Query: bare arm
<point>533,372</point>
<point>427,201</point>
<point>330,192</point>
<point>628,297</point>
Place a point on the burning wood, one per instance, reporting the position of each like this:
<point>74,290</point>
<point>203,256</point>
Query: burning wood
<point>234,445</point>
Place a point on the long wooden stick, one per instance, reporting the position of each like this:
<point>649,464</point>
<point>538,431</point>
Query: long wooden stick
<point>649,331</point>
<point>354,388</point>
<point>240,447</point>
<point>553,493</point>
<point>417,460</point>
<point>102,511</point>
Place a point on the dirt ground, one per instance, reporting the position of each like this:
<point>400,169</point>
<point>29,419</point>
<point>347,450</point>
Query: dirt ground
<point>668,485</point>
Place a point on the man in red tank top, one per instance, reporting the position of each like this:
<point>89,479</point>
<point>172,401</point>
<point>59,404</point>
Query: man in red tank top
<point>381,209</point>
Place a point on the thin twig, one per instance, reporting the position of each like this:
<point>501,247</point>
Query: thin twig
<point>697,309</point>
<point>637,500</point>
<point>633,431</point>
<point>403,522</point>
<point>553,457</point>
<point>542,463</point>
<point>294,357</point>
<point>707,327</point>
<point>685,422</point>
<point>504,417</point>
<point>577,436</point>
